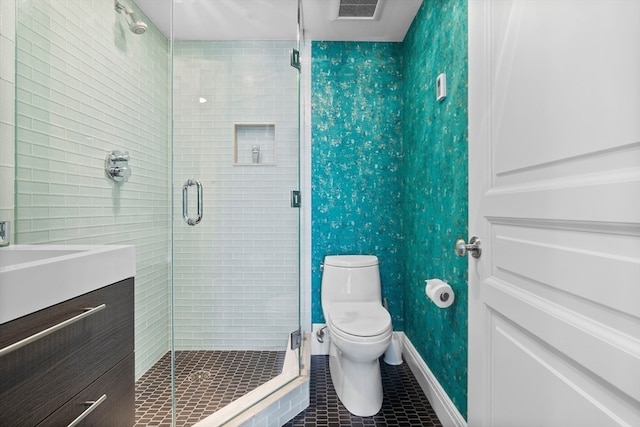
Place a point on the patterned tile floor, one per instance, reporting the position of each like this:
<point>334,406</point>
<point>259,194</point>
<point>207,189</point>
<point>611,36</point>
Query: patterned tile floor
<point>206,381</point>
<point>404,403</point>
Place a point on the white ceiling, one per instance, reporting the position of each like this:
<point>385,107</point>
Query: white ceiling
<point>276,20</point>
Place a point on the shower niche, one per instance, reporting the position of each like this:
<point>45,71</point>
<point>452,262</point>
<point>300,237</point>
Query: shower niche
<point>254,144</point>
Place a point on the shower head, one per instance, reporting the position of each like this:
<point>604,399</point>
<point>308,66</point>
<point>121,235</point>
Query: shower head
<point>137,25</point>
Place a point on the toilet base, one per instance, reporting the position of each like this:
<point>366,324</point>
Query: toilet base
<point>358,384</point>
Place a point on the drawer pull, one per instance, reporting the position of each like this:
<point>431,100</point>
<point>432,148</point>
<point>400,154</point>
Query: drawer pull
<point>90,409</point>
<point>8,349</point>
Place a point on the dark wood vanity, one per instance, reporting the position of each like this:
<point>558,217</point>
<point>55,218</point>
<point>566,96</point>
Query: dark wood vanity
<point>82,372</point>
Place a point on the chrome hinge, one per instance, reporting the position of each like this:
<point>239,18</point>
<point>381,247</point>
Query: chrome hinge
<point>296,199</point>
<point>5,233</point>
<point>296,339</point>
<point>294,58</point>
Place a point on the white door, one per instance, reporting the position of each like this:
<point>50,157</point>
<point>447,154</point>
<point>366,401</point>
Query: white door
<point>554,182</point>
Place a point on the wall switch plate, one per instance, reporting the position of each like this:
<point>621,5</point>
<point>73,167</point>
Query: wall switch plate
<point>441,87</point>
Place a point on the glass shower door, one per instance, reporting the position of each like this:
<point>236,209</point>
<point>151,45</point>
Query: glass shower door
<point>215,118</point>
<point>235,257</point>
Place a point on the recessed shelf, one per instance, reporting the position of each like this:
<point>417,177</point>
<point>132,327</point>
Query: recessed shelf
<point>254,144</point>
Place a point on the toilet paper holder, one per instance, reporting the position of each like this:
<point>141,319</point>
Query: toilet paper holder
<point>444,297</point>
<point>440,292</point>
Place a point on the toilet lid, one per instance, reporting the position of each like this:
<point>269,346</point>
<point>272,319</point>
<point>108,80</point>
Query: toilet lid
<point>363,319</point>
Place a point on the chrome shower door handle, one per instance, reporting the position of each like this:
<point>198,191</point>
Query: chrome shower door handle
<point>185,202</point>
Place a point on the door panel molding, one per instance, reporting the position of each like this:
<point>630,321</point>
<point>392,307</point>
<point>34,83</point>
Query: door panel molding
<point>533,361</point>
<point>554,194</point>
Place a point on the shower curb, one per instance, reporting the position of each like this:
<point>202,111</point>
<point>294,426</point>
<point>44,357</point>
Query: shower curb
<point>278,401</point>
<point>283,405</point>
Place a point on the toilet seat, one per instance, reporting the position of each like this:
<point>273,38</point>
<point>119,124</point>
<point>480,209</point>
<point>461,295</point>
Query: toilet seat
<point>360,321</point>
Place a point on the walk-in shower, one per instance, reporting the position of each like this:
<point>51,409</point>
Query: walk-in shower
<point>212,296</point>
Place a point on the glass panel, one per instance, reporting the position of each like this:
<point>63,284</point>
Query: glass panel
<point>86,86</point>
<point>235,274</point>
<point>94,78</point>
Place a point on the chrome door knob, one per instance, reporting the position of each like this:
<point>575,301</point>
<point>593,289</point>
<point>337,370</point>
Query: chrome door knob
<point>474,246</point>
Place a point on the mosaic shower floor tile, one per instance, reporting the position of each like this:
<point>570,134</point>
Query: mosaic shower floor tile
<point>206,381</point>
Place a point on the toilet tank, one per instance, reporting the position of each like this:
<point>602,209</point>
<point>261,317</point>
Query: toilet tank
<point>351,278</point>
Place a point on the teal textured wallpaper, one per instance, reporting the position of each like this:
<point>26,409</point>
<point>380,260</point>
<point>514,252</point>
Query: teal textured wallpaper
<point>389,175</point>
<point>435,189</point>
<point>356,161</point>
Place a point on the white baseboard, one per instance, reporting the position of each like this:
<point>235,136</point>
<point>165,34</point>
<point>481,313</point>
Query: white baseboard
<point>443,406</point>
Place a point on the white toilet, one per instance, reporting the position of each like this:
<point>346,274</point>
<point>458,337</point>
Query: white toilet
<point>359,328</point>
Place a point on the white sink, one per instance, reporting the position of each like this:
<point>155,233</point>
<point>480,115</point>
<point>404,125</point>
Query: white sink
<point>33,277</point>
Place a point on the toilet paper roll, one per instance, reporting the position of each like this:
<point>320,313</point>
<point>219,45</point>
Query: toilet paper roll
<point>440,293</point>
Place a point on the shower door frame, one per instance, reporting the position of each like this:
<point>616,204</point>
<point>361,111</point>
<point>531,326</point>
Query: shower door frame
<point>205,186</point>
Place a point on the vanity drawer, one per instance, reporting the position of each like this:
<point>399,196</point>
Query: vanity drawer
<point>114,401</point>
<point>38,378</point>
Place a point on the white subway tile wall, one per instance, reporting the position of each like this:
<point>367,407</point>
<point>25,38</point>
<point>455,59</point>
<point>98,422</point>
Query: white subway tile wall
<point>7,99</point>
<point>86,86</point>
<point>236,273</point>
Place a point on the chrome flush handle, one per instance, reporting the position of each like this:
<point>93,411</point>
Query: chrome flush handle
<point>474,246</point>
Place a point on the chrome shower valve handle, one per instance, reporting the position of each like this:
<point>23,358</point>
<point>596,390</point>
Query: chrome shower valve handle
<point>117,167</point>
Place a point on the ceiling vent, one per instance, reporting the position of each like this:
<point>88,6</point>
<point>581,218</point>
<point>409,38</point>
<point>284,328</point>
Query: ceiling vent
<point>357,9</point>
